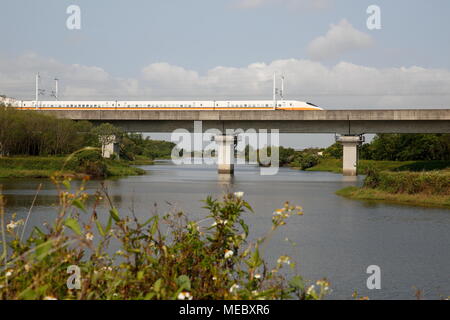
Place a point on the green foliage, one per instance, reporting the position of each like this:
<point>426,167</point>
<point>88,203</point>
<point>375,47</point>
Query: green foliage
<point>334,151</point>
<point>88,161</point>
<point>163,257</point>
<point>289,157</point>
<point>134,146</point>
<point>33,133</point>
<point>405,147</point>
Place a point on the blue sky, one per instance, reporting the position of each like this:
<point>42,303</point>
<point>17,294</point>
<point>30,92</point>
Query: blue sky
<point>228,49</point>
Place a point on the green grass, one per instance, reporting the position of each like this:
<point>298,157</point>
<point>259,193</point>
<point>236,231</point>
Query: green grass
<point>44,167</point>
<point>335,165</point>
<point>420,199</point>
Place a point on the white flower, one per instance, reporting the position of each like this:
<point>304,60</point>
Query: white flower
<point>50,298</point>
<point>239,194</point>
<point>310,290</point>
<point>8,273</point>
<point>184,295</point>
<point>234,288</point>
<point>89,236</point>
<point>13,224</point>
<point>257,276</point>
<point>228,254</point>
<point>284,259</point>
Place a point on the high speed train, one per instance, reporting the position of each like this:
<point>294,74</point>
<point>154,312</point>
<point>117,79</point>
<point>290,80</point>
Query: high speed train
<point>167,105</point>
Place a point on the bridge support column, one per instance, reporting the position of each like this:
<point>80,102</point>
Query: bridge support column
<point>350,156</point>
<point>225,153</point>
<point>110,146</point>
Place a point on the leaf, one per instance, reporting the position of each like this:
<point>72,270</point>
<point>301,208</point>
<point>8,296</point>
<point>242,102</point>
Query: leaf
<point>297,283</point>
<point>114,214</point>
<point>157,285</point>
<point>43,249</point>
<point>183,283</point>
<point>149,220</point>
<point>100,228</point>
<point>74,225</point>
<point>66,184</point>
<point>77,203</point>
<point>108,226</point>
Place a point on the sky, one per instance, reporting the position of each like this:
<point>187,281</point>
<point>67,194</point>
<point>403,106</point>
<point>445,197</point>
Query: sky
<point>229,49</point>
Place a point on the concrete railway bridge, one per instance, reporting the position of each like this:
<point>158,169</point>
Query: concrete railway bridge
<point>349,125</point>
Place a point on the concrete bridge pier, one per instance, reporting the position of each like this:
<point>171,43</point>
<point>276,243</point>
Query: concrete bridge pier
<point>110,146</point>
<point>225,153</point>
<point>350,156</point>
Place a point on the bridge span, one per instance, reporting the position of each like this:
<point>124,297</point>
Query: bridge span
<point>350,124</point>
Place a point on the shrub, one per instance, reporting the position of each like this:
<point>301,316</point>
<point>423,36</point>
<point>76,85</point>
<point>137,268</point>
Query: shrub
<point>88,161</point>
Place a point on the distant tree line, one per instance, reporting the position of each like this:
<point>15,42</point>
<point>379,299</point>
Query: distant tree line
<point>400,147</point>
<point>303,159</point>
<point>36,134</point>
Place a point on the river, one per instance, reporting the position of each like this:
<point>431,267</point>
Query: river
<point>337,238</point>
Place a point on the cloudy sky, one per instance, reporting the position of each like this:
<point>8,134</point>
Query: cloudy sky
<point>229,49</point>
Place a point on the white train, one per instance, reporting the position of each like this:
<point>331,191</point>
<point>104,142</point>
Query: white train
<point>167,105</point>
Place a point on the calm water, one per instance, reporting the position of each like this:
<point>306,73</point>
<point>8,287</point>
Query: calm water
<point>337,238</point>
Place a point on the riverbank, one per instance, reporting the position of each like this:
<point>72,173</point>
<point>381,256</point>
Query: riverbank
<point>368,194</point>
<point>411,188</point>
<point>44,167</point>
<point>335,165</point>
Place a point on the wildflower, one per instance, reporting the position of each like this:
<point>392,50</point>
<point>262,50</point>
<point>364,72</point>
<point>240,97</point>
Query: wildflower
<point>284,259</point>
<point>325,285</point>
<point>27,267</point>
<point>9,273</point>
<point>311,290</point>
<point>257,276</point>
<point>50,298</point>
<point>13,224</point>
<point>278,212</point>
<point>234,288</point>
<point>228,254</point>
<point>184,295</point>
<point>239,194</point>
<point>89,236</point>
<point>214,278</point>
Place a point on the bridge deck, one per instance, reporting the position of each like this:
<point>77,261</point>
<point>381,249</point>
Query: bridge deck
<point>327,121</point>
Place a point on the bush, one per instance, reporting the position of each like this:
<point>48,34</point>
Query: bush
<point>164,257</point>
<point>88,161</point>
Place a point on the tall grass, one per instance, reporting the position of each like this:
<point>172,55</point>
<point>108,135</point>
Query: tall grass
<point>429,183</point>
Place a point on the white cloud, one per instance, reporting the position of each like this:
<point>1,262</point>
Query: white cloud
<point>303,4</point>
<point>344,85</point>
<point>340,38</point>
